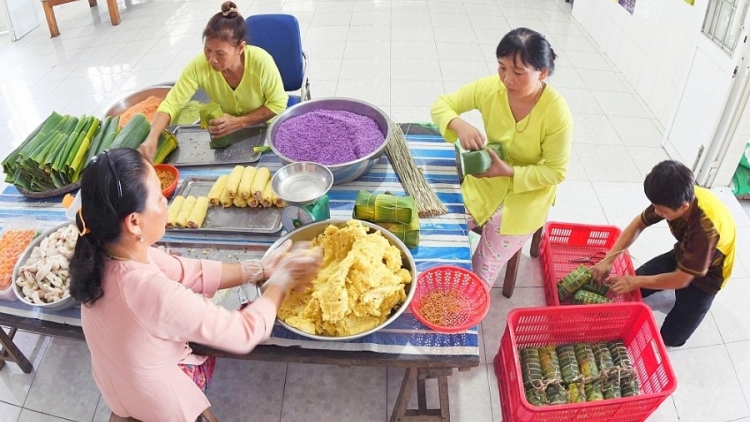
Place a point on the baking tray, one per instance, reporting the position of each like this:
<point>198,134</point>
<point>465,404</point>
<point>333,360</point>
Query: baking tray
<point>232,219</point>
<point>193,149</point>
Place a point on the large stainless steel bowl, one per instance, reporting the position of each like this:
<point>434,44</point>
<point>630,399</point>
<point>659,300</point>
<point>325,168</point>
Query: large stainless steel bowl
<point>159,91</point>
<point>346,172</point>
<point>59,305</point>
<point>310,231</point>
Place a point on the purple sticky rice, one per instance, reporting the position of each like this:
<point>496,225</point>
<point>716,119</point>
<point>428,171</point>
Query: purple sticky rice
<point>328,137</point>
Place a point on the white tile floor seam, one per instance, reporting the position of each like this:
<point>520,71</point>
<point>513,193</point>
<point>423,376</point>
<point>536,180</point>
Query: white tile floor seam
<point>399,55</point>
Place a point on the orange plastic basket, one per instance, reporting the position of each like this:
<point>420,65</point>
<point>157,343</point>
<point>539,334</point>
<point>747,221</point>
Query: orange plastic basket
<point>464,288</point>
<point>633,323</point>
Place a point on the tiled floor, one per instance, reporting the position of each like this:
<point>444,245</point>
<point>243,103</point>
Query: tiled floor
<point>399,55</point>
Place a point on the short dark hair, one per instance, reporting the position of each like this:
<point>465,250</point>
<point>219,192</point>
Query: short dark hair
<point>670,184</point>
<point>102,211</point>
<point>529,46</point>
<point>227,25</point>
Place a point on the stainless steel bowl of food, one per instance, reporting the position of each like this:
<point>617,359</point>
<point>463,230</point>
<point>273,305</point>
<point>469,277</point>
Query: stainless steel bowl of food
<point>310,231</point>
<point>57,244</point>
<point>348,171</point>
<point>159,90</point>
<point>302,183</point>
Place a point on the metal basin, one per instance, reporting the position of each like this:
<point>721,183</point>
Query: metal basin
<point>345,172</point>
<point>159,91</point>
<point>310,231</point>
<point>302,183</point>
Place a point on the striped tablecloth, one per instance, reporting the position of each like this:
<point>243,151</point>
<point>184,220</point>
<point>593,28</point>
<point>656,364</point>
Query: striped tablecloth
<point>444,240</point>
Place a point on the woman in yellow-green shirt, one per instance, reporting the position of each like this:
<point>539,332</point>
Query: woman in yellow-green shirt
<point>242,79</point>
<point>532,122</point>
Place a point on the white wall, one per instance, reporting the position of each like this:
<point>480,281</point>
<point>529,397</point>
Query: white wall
<point>653,48</point>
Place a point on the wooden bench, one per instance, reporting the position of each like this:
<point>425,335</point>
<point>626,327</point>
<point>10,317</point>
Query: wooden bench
<point>49,13</point>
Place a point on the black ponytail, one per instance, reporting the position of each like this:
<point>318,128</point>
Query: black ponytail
<point>530,46</point>
<point>102,213</point>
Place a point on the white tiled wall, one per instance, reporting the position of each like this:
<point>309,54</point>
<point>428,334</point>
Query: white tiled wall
<point>653,48</point>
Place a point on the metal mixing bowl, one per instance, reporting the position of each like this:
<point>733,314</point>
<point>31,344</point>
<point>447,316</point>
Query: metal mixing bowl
<point>310,231</point>
<point>159,91</point>
<point>302,183</point>
<point>346,172</point>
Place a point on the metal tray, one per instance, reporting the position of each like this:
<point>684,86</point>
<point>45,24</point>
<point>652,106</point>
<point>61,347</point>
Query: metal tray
<point>232,219</point>
<point>193,147</point>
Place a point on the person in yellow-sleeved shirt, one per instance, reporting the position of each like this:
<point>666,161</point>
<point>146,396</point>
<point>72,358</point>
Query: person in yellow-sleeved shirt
<point>242,79</point>
<point>532,122</point>
<point>702,259</point>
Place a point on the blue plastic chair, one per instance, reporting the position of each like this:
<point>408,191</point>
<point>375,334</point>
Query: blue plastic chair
<point>279,35</point>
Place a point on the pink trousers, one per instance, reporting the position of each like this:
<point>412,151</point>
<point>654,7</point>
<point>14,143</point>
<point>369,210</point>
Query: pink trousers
<point>494,249</point>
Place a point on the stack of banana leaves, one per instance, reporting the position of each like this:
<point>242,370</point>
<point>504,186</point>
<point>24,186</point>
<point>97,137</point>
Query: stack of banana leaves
<point>54,155</point>
<point>577,373</point>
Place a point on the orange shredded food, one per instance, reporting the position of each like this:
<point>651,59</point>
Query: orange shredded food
<point>12,244</point>
<point>444,308</point>
<point>166,178</point>
<point>146,107</point>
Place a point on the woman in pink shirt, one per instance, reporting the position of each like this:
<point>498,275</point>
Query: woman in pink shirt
<point>142,306</point>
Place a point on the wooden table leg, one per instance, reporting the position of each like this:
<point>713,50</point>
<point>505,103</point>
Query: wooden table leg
<point>416,377</point>
<point>11,352</point>
<point>92,3</point>
<point>51,21</point>
<point>114,12</point>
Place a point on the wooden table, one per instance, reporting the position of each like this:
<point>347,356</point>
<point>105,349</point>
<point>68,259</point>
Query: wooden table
<point>405,343</point>
<point>49,13</point>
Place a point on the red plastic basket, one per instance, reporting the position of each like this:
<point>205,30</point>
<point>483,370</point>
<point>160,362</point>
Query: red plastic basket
<point>633,323</point>
<point>475,300</point>
<point>563,243</point>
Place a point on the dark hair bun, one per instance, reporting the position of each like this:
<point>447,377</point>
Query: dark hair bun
<point>229,10</point>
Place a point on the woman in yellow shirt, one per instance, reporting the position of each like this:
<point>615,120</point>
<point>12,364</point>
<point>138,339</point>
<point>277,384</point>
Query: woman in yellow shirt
<point>532,122</point>
<point>242,79</point>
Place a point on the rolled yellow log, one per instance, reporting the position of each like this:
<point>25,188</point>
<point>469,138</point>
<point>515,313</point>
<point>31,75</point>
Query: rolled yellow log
<point>266,199</point>
<point>198,214</point>
<point>185,211</point>
<point>262,177</point>
<point>214,195</point>
<point>246,183</point>
<point>225,200</point>
<point>174,210</point>
<point>233,183</point>
<point>239,202</point>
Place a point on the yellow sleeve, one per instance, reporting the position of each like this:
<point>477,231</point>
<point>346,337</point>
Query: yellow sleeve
<point>449,106</point>
<point>271,83</point>
<point>555,147</point>
<point>182,91</point>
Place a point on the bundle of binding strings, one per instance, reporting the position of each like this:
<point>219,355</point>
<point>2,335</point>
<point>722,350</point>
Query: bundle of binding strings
<point>428,204</point>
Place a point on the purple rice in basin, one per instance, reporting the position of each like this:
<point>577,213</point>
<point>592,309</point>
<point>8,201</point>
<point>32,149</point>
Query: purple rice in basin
<point>328,137</point>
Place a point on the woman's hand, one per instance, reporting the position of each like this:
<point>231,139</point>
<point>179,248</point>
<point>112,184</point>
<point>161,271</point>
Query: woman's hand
<point>470,137</point>
<point>148,147</point>
<point>272,261</point>
<point>298,268</point>
<point>623,284</point>
<point>499,168</point>
<point>224,126</point>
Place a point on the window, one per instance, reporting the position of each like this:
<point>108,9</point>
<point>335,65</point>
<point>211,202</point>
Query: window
<point>723,22</point>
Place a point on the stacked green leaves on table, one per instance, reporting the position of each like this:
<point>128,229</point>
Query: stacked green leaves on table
<point>397,214</point>
<point>55,154</point>
<point>577,373</point>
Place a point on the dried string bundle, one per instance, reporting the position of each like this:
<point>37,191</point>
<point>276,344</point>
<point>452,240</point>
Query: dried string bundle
<point>428,204</point>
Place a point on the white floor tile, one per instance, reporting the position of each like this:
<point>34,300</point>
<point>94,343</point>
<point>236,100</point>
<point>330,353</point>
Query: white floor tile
<point>324,69</point>
<point>594,129</point>
<point>32,416</point>
<point>729,310</point>
<point>415,70</point>
<point>415,93</point>
<point>373,50</point>
<point>652,242</point>
<point>646,158</point>
<point>325,49</point>
<point>585,59</point>
<point>637,131</point>
<point>603,80</point>
<point>14,383</point>
<point>456,8</point>
<point>365,69</point>
<point>458,34</point>
<point>621,201</point>
<point>413,49</point>
<point>576,172</point>
<point>334,393</point>
<point>566,77</point>
<point>460,51</point>
<point>369,33</point>
<point>707,333</point>
<point>103,412</point>
<point>66,363</point>
<point>608,163</point>
<point>463,70</point>
<point>262,393</point>
<point>705,375</point>
<point>326,33</point>
<point>375,91</point>
<point>738,354</point>
<point>580,100</point>
<point>410,114</point>
<point>406,18</point>
<point>333,18</point>
<point>570,195</point>
<point>412,33</point>
<point>492,36</point>
<point>8,412</point>
<point>323,88</point>
<point>447,20</point>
